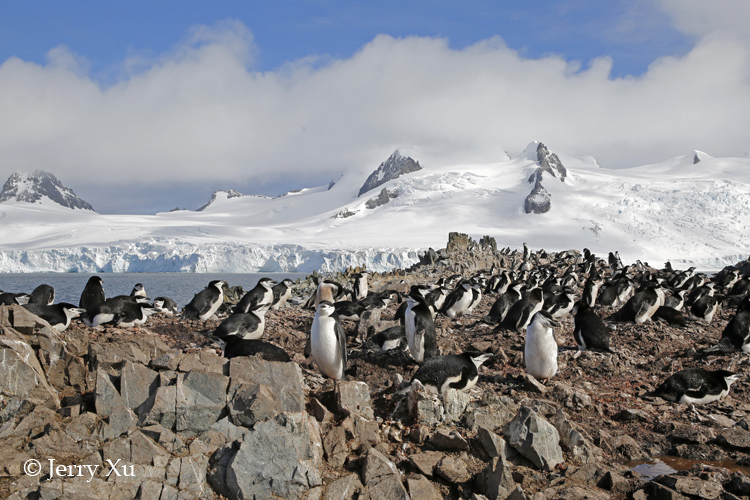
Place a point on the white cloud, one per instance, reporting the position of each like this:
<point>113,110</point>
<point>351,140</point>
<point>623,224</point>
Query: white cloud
<point>200,113</point>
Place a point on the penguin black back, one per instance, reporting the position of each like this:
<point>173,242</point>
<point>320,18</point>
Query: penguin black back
<point>93,293</point>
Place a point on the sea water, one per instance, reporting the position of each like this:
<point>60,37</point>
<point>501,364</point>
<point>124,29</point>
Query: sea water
<point>179,287</point>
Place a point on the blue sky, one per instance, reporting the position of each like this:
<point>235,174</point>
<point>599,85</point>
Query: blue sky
<point>170,100</point>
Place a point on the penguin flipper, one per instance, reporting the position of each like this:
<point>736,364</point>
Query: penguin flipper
<point>341,338</point>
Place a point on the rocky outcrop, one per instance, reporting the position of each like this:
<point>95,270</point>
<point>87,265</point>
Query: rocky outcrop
<point>394,167</point>
<point>32,187</point>
<point>384,197</point>
<point>228,194</point>
<point>539,201</point>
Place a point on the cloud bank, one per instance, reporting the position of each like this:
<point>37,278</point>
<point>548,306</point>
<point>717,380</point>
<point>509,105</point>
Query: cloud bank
<point>200,115</point>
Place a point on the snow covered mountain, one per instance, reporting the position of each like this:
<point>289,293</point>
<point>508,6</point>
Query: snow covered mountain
<point>692,213</point>
<point>40,187</point>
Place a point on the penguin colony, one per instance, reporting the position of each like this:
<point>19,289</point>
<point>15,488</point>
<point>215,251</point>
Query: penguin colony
<point>528,300</point>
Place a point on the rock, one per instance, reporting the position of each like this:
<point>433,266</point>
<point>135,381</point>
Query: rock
<point>136,384</point>
<point>334,446</point>
<point>493,416</point>
<point>204,361</point>
<point>424,407</point>
<point>495,481</point>
<point>200,400</point>
<point>160,408</point>
<point>250,403</point>
<point>22,377</point>
<point>453,470</point>
<point>420,488</point>
<point>121,420</point>
<point>654,490</point>
<point>107,397</point>
<point>530,384</point>
<point>630,414</point>
<point>449,440</point>
<point>734,437</point>
<point>426,462</point>
<point>388,488</point>
<point>394,167</point>
<point>169,360</point>
<point>320,412</point>
<point>493,444</point>
<point>455,404</point>
<point>353,397</point>
<point>82,426</point>
<point>368,323</point>
<point>692,486</point>
<point>278,457</point>
<point>143,449</point>
<point>21,320</point>
<point>376,467</point>
<point>739,485</point>
<point>284,380</point>
<point>535,438</point>
<point>366,431</point>
<point>574,442</point>
<point>343,489</point>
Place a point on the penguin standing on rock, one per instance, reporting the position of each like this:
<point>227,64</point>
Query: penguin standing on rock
<point>93,293</point>
<point>589,331</point>
<point>696,386</point>
<point>420,329</point>
<point>328,342</point>
<point>206,302</point>
<point>453,371</point>
<point>540,347</point>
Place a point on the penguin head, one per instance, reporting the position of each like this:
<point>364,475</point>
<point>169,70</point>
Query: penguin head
<point>217,284</point>
<point>267,283</point>
<point>730,377</point>
<point>478,357</point>
<point>138,290</point>
<point>71,310</point>
<point>325,308</point>
<point>544,318</point>
<point>579,307</point>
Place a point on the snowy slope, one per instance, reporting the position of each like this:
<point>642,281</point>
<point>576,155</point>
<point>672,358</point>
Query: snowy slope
<point>688,213</point>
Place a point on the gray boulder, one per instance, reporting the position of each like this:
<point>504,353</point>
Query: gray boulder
<point>535,438</point>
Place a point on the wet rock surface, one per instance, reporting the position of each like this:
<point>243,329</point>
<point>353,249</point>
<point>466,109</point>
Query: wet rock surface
<point>186,423</point>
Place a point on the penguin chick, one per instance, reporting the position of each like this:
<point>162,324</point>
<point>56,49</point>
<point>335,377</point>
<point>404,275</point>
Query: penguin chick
<point>328,342</point>
<point>540,347</point>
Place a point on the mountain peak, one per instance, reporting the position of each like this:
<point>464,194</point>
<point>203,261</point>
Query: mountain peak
<point>33,187</point>
<point>395,166</point>
<point>223,194</point>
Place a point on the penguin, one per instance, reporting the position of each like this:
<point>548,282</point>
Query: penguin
<point>206,302</point>
<point>726,279</point>
<point>616,292</point>
<point>133,314</point>
<point>540,347</point>
<point>10,298</point>
<point>420,329</point>
<point>57,315</point>
<point>248,325</point>
<point>459,300</point>
<point>670,315</point>
<point>327,291</point>
<point>138,291</point>
<point>641,306</point>
<point>476,292</point>
<point>328,342</point>
<point>43,294</point>
<point>696,386</point>
<point>589,331</point>
<point>676,300</point>
<point>742,287</point>
<point>260,297</point>
<point>562,304</point>
<point>346,309</point>
<point>591,290</point>
<point>360,285</point>
<point>391,338</point>
<point>235,346</point>
<point>704,309</point>
<point>499,309</point>
<point>165,305</point>
<point>93,293</point>
<point>698,292</point>
<point>282,291</point>
<point>521,313</point>
<point>452,371</point>
<point>107,311</point>
<point>736,335</point>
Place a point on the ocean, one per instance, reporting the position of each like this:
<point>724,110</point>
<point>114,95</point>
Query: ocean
<point>179,287</point>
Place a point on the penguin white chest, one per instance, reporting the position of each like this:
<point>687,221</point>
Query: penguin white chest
<point>540,352</point>
<point>325,347</point>
<point>415,341</point>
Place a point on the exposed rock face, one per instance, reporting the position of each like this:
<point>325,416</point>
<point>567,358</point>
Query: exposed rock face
<point>384,197</point>
<point>392,168</point>
<point>228,194</point>
<point>539,200</point>
<point>32,187</point>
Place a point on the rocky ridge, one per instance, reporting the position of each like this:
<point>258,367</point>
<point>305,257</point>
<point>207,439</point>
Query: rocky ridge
<point>31,188</point>
<point>187,423</point>
<point>392,168</point>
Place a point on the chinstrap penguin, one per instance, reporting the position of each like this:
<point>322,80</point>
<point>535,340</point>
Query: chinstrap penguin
<point>93,293</point>
<point>452,371</point>
<point>540,347</point>
<point>206,302</point>
<point>696,386</point>
<point>420,329</point>
<point>589,330</point>
<point>328,342</point>
<point>57,315</point>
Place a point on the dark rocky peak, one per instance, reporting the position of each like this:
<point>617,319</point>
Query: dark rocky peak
<point>32,187</point>
<point>231,193</point>
<point>549,162</point>
<point>392,168</point>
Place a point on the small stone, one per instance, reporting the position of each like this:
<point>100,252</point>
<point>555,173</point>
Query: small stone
<point>453,470</point>
<point>353,397</point>
<point>426,462</point>
<point>449,440</point>
<point>420,488</point>
<point>343,489</point>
